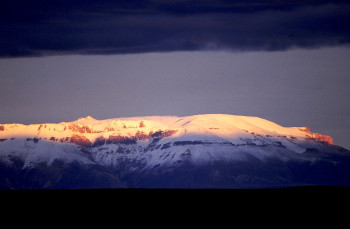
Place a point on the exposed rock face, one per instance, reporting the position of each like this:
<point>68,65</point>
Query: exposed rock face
<point>323,138</point>
<point>317,136</point>
<point>108,129</point>
<point>167,133</point>
<point>120,140</point>
<point>162,134</point>
<point>142,124</point>
<point>80,140</point>
<point>80,128</point>
<point>99,141</point>
<point>140,135</point>
<point>35,140</point>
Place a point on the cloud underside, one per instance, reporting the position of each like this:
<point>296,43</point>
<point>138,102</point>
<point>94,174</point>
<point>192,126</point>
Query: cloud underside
<point>110,29</point>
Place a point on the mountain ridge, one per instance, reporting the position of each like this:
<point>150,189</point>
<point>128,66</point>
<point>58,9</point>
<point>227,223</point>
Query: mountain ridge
<point>91,125</point>
<point>166,151</point>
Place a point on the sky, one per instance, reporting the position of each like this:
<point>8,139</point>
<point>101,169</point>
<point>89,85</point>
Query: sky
<point>285,61</point>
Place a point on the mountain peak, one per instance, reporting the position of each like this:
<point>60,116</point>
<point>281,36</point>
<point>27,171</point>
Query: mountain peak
<point>87,118</point>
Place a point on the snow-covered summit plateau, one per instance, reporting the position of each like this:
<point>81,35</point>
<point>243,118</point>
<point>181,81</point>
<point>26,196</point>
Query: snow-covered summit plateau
<point>200,151</point>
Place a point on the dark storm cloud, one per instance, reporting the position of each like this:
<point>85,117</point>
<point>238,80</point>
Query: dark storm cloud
<point>109,27</point>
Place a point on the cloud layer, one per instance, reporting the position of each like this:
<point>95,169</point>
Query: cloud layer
<point>30,28</point>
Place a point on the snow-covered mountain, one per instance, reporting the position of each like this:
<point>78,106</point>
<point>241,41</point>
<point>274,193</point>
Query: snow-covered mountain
<point>200,151</point>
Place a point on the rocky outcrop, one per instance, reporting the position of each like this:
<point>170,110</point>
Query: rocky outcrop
<point>163,134</point>
<point>120,140</point>
<point>323,138</point>
<point>318,137</point>
<point>113,139</point>
<point>35,140</point>
<point>80,140</point>
<point>142,124</point>
<point>80,128</point>
<point>108,128</point>
<point>168,133</point>
<point>99,141</point>
<point>140,135</point>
